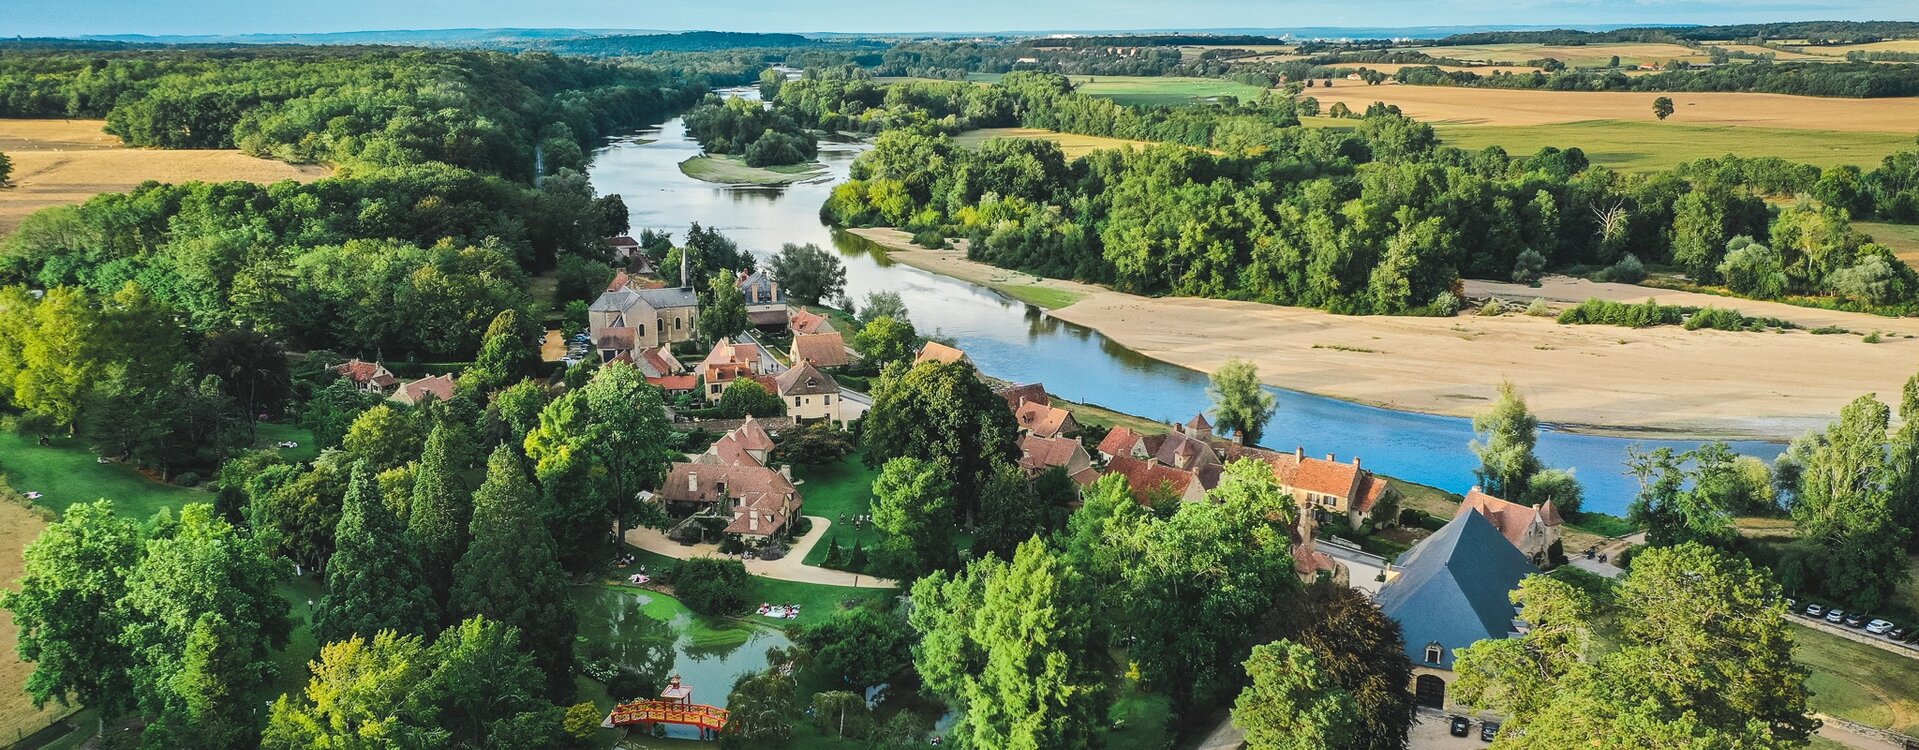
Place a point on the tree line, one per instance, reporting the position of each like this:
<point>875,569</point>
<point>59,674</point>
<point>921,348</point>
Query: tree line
<point>1376,219</point>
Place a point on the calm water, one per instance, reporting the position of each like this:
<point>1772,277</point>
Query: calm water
<point>707,653</point>
<point>1012,341</point>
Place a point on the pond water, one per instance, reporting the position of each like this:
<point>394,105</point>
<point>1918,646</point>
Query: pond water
<point>657,636</point>
<point>1014,341</point>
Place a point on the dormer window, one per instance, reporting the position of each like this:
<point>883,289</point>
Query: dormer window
<point>1434,653</point>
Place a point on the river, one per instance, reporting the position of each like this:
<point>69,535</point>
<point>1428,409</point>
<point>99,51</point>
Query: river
<point>1013,341</point>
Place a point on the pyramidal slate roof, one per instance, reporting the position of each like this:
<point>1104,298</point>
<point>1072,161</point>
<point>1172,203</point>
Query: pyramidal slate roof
<point>1455,588</point>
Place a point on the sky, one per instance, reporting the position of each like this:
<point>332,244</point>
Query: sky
<point>77,17</point>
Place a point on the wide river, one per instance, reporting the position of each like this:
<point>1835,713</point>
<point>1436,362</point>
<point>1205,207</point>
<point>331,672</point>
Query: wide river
<point>1013,341</point>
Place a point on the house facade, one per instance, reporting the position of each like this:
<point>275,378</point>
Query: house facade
<point>437,387</point>
<point>368,377</point>
<point>1533,529</point>
<point>731,480</point>
<point>627,319</point>
<point>812,395</point>
<point>765,300</point>
<point>728,362</point>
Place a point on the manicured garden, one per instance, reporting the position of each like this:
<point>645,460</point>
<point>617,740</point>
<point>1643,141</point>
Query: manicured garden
<point>65,472</point>
<point>1863,683</point>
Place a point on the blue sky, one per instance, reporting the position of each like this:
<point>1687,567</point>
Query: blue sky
<point>73,17</point>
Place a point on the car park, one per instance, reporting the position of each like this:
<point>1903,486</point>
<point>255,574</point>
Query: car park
<point>1460,726</point>
<point>1835,616</point>
<point>1488,730</point>
<point>1856,620</point>
<point>1816,609</point>
<point>1878,627</point>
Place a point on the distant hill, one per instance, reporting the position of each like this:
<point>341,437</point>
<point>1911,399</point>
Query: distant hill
<point>691,41</point>
<point>408,37</point>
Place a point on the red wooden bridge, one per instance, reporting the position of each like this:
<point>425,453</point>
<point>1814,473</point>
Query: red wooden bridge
<point>669,712</point>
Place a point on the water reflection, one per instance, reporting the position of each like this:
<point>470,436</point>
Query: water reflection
<point>616,629</point>
<point>1016,342</point>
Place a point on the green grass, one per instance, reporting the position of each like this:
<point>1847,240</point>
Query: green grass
<point>290,663</point>
<point>66,472</point>
<point>1653,146</point>
<point>816,600</point>
<point>1038,294</point>
<point>270,434</point>
<point>732,170</point>
<point>1859,682</point>
<point>836,490</point>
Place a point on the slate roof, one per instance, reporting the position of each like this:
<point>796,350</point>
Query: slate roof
<point>805,380</point>
<point>670,297</point>
<point>1455,588</point>
<point>618,300</point>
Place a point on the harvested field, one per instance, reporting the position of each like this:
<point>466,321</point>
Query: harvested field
<point>18,718</point>
<point>1484,70</point>
<point>64,162</point>
<point>1654,146</point>
<point>1581,56</point>
<point>1479,106</point>
<point>1153,91</point>
<point>1902,238</point>
<point>1840,50</point>
<point>1073,144</point>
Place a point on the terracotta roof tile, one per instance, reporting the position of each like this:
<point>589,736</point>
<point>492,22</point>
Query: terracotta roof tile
<point>440,387</point>
<point>1510,518</point>
<point>935,351</point>
<point>1146,476</point>
<point>821,349</point>
<point>1120,441</point>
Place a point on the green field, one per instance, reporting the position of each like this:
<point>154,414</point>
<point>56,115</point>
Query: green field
<point>1073,145</point>
<point>731,170</point>
<point>1648,147</point>
<point>1149,91</point>
<point>836,491</point>
<point>1902,238</point>
<point>66,472</point>
<point>1859,682</point>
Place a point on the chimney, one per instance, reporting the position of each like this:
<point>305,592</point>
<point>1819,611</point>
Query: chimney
<point>786,470</point>
<point>693,481</point>
<point>1330,459</point>
<point>1299,453</point>
<point>1356,466</point>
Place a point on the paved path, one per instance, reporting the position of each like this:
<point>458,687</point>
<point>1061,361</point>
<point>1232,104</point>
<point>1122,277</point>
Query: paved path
<point>1799,617</point>
<point>789,568</point>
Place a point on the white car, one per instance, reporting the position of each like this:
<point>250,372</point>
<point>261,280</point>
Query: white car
<point>1878,627</point>
<point>1835,616</point>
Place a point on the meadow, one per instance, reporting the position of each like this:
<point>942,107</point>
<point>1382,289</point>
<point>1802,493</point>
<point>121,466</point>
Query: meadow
<point>1902,238</point>
<point>1840,50</point>
<point>1073,144</point>
<point>1149,91</point>
<point>1577,56</point>
<point>1648,147</point>
<point>63,162</point>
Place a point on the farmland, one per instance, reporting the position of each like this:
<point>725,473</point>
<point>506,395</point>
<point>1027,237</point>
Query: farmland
<point>18,718</point>
<point>1481,106</point>
<point>1840,50</point>
<point>1646,147</point>
<point>1073,144</point>
<point>62,162</point>
<point>1150,91</point>
<point>1578,56</point>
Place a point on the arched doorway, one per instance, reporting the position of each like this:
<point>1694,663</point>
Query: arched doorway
<point>1430,690</point>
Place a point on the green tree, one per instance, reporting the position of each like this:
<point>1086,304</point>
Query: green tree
<point>436,525</point>
<point>1039,685</point>
<point>383,437</point>
<point>373,581</point>
<point>1360,649</point>
<point>886,339</point>
<point>862,647</point>
<point>201,566</point>
<point>1678,506</point>
<point>1292,703</point>
<point>578,511</point>
<point>1010,513</point>
<point>912,503</point>
<point>746,396</point>
<point>481,681</point>
<point>57,355</point>
<point>1662,107</point>
<point>363,693</point>
<point>723,311</point>
<point>215,709</point>
<point>760,709</point>
<point>6,170</point>
<point>511,574</point>
<point>629,435</point>
<point>942,614</point>
<point>842,713</point>
<point>1506,459</point>
<point>883,304</point>
<point>809,275</point>
<point>509,351</point>
<point>711,585</point>
<point>1240,404</point>
<point>332,409</point>
<point>941,413</point>
<point>1843,506</point>
<point>69,613</point>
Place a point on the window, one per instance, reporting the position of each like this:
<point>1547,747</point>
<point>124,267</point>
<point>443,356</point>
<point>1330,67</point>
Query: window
<point>826,399</point>
<point>1434,653</point>
<point>640,332</point>
<point>677,322</point>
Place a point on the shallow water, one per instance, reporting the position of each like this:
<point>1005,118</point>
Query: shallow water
<point>1013,341</point>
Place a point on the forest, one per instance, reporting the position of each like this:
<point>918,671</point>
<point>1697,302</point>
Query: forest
<point>1375,219</point>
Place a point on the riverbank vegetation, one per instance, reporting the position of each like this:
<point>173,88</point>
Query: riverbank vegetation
<point>761,137</point>
<point>733,170</point>
<point>1650,313</point>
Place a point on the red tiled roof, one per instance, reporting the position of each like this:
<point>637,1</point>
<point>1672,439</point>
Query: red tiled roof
<point>675,383</point>
<point>622,242</point>
<point>1043,420</point>
<point>620,281</point>
<point>1311,562</point>
<point>1512,519</point>
<point>1147,476</point>
<point>727,352</point>
<point>1039,452</point>
<point>439,387</point>
<point>1199,422</point>
<point>935,351</point>
<point>805,380</point>
<point>752,436</point>
<point>1030,393</point>
<point>822,349</point>
<point>802,321</point>
<point>1120,441</point>
<point>615,339</point>
<point>760,490</point>
<point>360,371</point>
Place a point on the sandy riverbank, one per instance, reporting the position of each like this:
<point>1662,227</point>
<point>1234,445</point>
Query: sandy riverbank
<point>1658,382</point>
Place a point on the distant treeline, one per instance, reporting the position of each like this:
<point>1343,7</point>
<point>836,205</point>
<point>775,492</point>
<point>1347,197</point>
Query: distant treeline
<point>1819,32</point>
<point>1375,219</point>
<point>691,41</point>
<point>1847,79</point>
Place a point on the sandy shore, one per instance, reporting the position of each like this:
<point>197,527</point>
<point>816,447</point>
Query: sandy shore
<point>1658,382</point>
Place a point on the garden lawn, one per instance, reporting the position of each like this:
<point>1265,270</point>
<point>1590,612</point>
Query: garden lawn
<point>1863,683</point>
<point>66,472</point>
<point>290,663</point>
<point>816,601</point>
<point>838,490</point>
<point>271,434</point>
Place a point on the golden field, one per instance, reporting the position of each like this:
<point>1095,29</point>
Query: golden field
<point>64,162</point>
<point>1482,106</point>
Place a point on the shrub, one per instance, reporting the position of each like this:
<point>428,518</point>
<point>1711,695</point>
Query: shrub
<point>1412,517</point>
<point>1539,309</point>
<point>1444,305</point>
<point>1628,270</point>
<point>1528,266</point>
<point>1493,308</point>
<point>1871,338</point>
<point>711,585</point>
<point>929,238</point>
<point>1716,318</point>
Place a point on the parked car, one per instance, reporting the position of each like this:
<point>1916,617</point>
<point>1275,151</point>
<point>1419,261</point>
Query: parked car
<point>1835,616</point>
<point>1856,620</point>
<point>1878,627</point>
<point>1488,730</point>
<point>1899,633</point>
<point>1816,609</point>
<point>1460,726</point>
